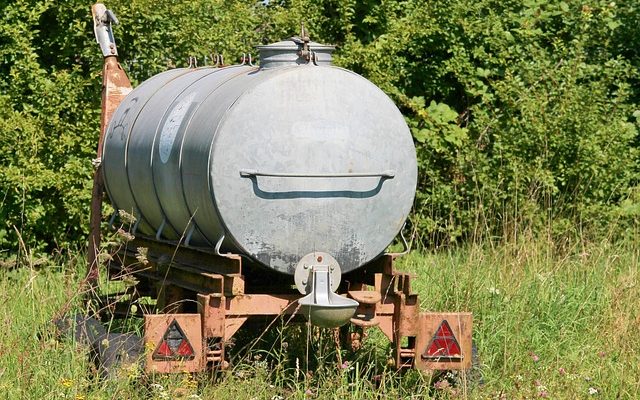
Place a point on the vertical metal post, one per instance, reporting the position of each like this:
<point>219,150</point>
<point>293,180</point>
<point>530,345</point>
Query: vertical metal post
<point>115,86</point>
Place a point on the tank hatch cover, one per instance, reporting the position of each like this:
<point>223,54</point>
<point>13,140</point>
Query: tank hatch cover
<point>288,52</point>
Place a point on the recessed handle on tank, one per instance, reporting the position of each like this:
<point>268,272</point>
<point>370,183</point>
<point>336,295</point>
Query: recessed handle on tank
<point>389,174</point>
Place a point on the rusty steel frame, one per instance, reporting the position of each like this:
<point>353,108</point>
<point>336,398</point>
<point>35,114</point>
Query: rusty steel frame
<point>225,301</point>
<point>115,86</point>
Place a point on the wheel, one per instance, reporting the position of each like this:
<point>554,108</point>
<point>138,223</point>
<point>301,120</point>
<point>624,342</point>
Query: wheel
<point>111,351</point>
<point>85,329</point>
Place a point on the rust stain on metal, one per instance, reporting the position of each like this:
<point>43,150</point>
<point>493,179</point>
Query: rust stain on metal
<point>388,304</point>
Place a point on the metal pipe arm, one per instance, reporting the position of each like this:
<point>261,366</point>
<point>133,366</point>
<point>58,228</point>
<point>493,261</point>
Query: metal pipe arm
<point>102,20</point>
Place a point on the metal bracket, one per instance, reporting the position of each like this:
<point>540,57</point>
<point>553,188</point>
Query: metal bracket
<point>303,44</point>
<point>102,20</point>
<point>303,276</point>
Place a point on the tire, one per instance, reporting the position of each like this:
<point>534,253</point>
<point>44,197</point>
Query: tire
<point>84,329</point>
<point>111,351</point>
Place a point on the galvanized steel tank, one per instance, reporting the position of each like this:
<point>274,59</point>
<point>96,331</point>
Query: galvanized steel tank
<point>273,162</point>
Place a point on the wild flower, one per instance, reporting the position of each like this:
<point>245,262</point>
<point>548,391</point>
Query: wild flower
<point>125,235</point>
<point>189,381</point>
<point>104,257</point>
<point>149,347</point>
<point>441,385</point>
<point>562,371</point>
<point>159,391</point>
<point>534,357</point>
<point>593,391</point>
<point>141,255</point>
<point>65,382</point>
<point>126,217</point>
<point>345,365</point>
<point>133,371</point>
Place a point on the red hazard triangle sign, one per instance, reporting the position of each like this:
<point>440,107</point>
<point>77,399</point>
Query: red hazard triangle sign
<point>174,345</point>
<point>443,346</point>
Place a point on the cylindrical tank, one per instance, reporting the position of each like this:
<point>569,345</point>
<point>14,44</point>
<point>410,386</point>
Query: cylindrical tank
<point>273,162</point>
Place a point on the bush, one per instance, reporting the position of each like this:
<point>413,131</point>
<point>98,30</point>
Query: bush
<point>524,114</point>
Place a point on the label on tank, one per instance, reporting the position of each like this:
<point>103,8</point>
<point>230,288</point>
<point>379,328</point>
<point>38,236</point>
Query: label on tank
<point>172,125</point>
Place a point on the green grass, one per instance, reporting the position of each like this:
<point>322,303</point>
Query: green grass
<point>549,320</point>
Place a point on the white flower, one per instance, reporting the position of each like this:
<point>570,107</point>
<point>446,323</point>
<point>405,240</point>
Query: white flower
<point>593,391</point>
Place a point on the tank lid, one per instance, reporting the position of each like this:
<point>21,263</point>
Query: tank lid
<point>291,52</point>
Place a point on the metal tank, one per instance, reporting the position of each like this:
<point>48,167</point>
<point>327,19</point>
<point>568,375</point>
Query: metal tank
<point>275,162</point>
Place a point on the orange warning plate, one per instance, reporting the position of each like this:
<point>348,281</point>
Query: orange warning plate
<point>173,343</point>
<point>444,341</point>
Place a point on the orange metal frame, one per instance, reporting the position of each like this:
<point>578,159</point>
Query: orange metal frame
<point>180,276</point>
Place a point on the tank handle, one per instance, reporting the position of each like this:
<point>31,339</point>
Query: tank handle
<point>388,174</point>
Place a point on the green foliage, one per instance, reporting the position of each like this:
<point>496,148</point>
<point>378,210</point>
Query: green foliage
<point>524,114</point>
<point>49,115</point>
<point>530,108</point>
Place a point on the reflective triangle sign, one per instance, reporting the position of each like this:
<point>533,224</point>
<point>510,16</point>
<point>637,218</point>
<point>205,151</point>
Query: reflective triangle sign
<point>443,346</point>
<point>174,345</point>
